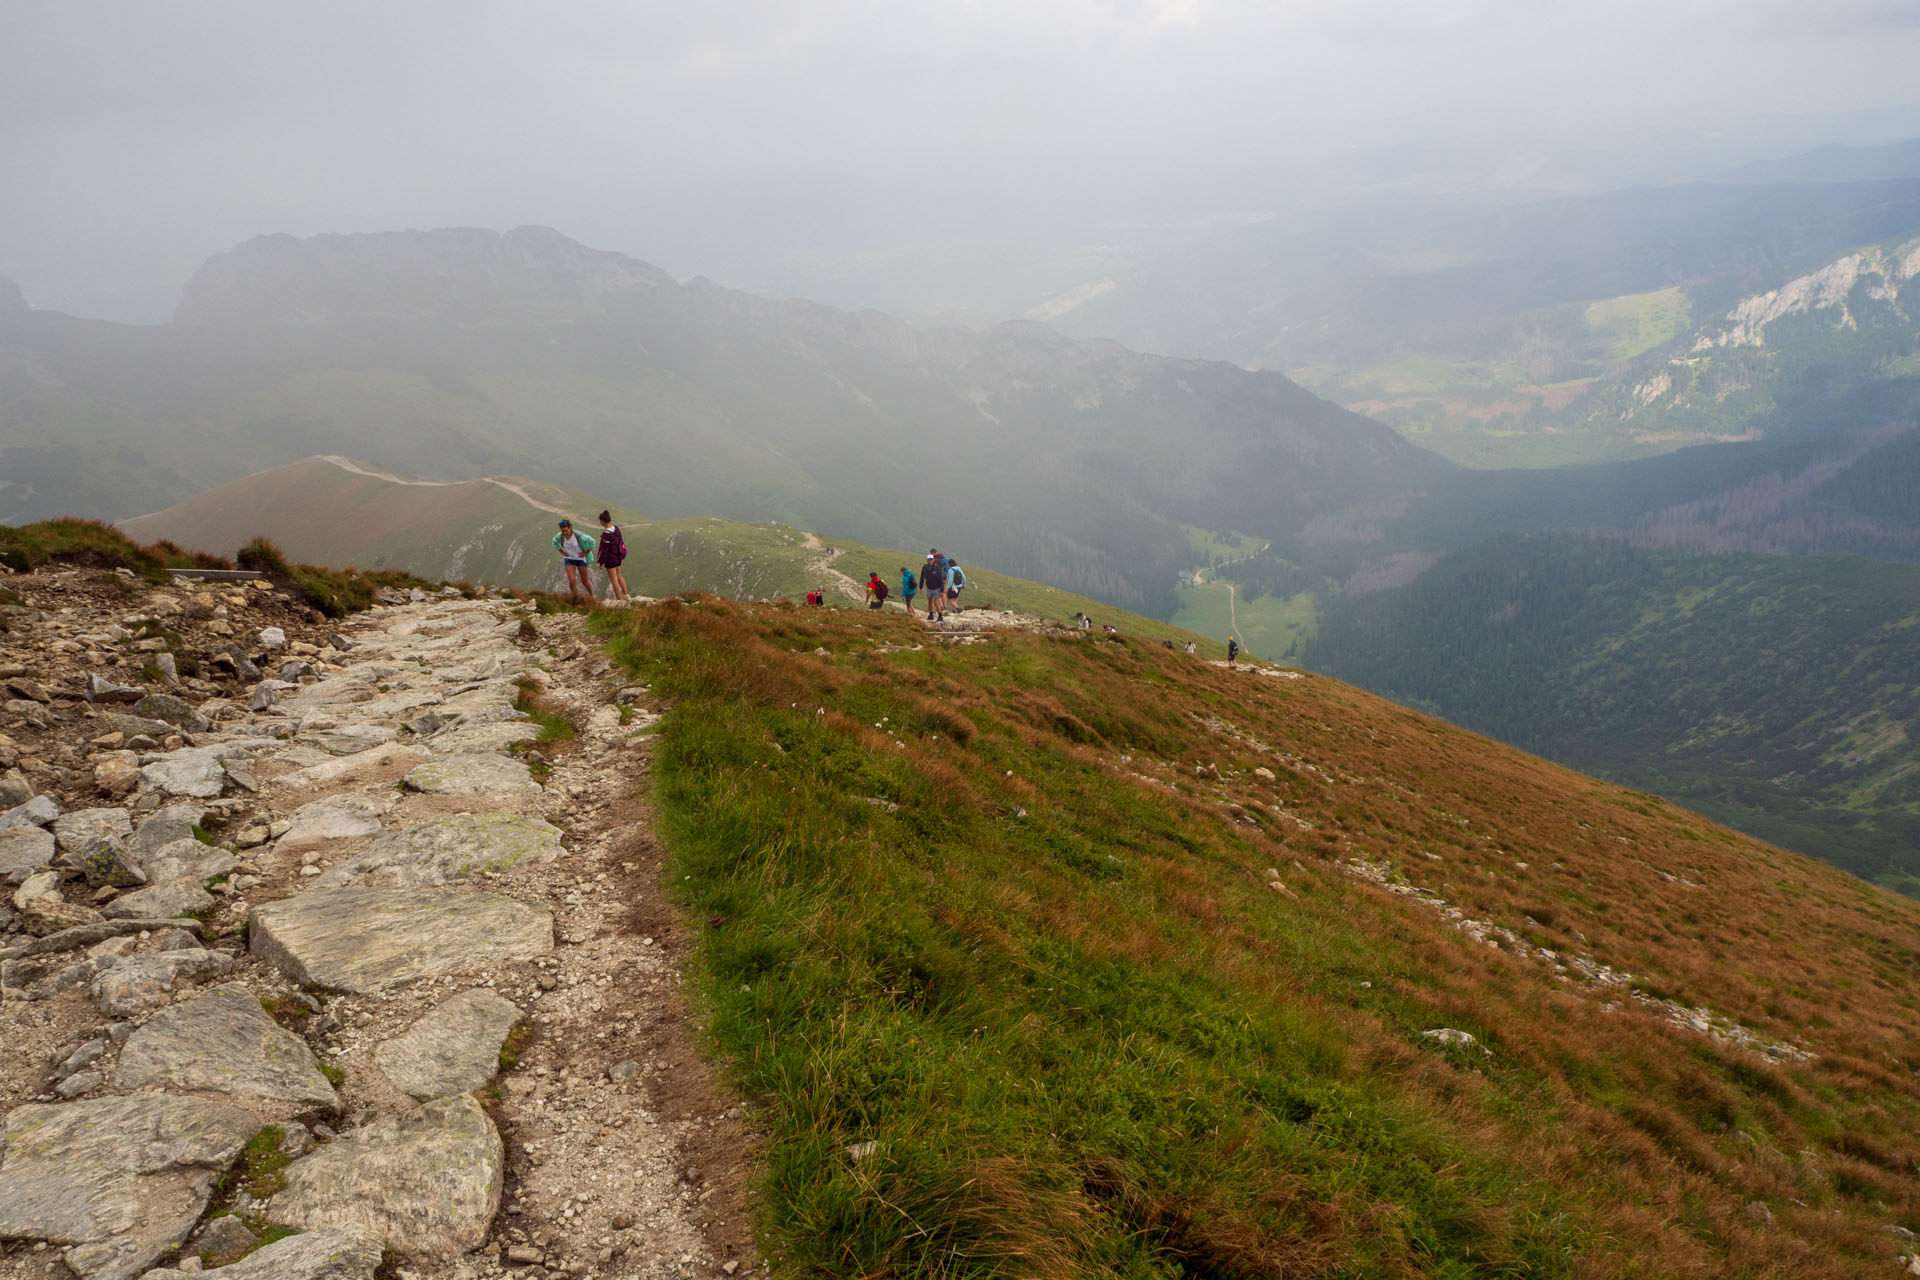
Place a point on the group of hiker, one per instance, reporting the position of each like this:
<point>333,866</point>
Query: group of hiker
<point>580,551</point>
<point>940,580</point>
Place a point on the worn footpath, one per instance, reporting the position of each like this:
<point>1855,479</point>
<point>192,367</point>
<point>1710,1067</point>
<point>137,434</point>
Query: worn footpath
<point>347,968</point>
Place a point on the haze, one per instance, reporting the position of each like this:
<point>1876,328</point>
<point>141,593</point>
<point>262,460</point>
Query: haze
<point>862,152</point>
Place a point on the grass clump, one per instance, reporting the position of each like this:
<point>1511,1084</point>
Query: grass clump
<point>261,1171</point>
<point>335,1076</point>
<point>999,959</point>
<point>334,592</point>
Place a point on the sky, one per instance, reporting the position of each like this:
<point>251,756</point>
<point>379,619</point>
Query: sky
<point>836,147</point>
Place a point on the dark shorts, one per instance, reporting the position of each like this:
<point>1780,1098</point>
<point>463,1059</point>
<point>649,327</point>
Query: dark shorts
<point>953,593</point>
<point>612,562</point>
<point>575,564</point>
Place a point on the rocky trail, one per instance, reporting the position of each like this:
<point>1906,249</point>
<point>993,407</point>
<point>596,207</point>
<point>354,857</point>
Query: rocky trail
<point>319,958</point>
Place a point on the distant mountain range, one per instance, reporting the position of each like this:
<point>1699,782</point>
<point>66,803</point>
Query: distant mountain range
<point>450,354</point>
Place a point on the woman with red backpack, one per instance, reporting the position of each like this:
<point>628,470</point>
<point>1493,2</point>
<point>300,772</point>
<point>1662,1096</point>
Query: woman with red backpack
<point>612,553</point>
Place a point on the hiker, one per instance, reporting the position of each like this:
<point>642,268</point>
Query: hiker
<point>1233,649</point>
<point>1193,649</point>
<point>876,591</point>
<point>612,553</point>
<point>956,583</point>
<point>933,581</point>
<point>908,586</point>
<point>817,597</point>
<point>1166,644</point>
<point>576,553</point>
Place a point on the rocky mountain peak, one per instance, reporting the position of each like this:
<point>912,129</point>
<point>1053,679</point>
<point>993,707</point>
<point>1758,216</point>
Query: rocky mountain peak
<point>11,299</point>
<point>465,274</point>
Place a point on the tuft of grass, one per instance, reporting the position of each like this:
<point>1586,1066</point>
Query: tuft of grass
<point>1000,965</point>
<point>335,1076</point>
<point>514,1045</point>
<point>334,592</point>
<point>261,1171</point>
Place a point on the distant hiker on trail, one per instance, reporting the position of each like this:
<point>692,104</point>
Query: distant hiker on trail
<point>612,554</point>
<point>1233,649</point>
<point>907,587</point>
<point>817,597</point>
<point>576,553</point>
<point>1192,649</point>
<point>933,581</point>
<point>876,591</point>
<point>956,583</point>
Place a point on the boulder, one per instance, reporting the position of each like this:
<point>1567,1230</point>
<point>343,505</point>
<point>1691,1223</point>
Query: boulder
<point>175,710</point>
<point>141,983</point>
<point>15,789</point>
<point>164,826</point>
<point>472,775</point>
<point>350,739</point>
<point>337,1253</point>
<point>120,1181</point>
<point>187,860</point>
<point>106,865</point>
<point>37,812</point>
<point>75,830</point>
<point>171,901</point>
<point>50,915</point>
<point>455,1048</point>
<point>116,773</point>
<point>23,851</point>
<point>222,1041</point>
<point>339,818</point>
<point>479,739</point>
<point>100,689</point>
<point>273,638</point>
<point>427,1182</point>
<point>450,848</point>
<point>139,727</point>
<point>364,940</point>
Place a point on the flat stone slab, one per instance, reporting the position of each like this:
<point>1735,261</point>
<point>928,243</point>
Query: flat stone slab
<point>338,1253</point>
<point>191,771</point>
<point>140,983</point>
<point>466,844</point>
<point>222,1041</point>
<point>364,940</point>
<point>427,1182</point>
<point>455,1048</point>
<point>74,831</point>
<point>337,818</point>
<point>480,739</point>
<point>119,1180</point>
<point>356,765</point>
<point>23,851</point>
<point>349,739</point>
<point>168,901</point>
<point>472,775</point>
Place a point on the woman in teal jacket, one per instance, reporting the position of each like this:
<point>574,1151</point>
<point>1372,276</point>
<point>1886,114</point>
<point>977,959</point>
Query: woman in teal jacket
<point>576,552</point>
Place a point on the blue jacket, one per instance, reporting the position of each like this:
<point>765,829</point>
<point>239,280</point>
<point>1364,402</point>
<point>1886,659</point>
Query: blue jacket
<point>907,584</point>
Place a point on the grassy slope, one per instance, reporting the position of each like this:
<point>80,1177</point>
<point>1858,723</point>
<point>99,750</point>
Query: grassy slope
<point>1774,692</point>
<point>987,934</point>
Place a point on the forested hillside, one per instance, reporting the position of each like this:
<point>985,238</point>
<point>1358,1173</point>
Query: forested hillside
<point>1775,693</point>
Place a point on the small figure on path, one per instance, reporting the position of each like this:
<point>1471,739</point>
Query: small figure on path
<point>956,583</point>
<point>933,581</point>
<point>876,591</point>
<point>907,587</point>
<point>817,597</point>
<point>576,553</point>
<point>1233,649</point>
<point>1193,649</point>
<point>612,554</point>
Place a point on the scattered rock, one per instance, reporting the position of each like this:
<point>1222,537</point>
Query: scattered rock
<point>1453,1036</point>
<point>195,771</point>
<point>222,1041</point>
<point>105,864</point>
<point>164,826</point>
<point>120,1180</point>
<point>427,1182</point>
<point>363,940</point>
<point>37,812</point>
<point>23,851</point>
<point>187,860</point>
<point>224,1234</point>
<point>100,689</point>
<point>172,709</point>
<point>273,638</point>
<point>333,771</point>
<point>455,1048</point>
<point>115,773</point>
<point>76,829</point>
<point>173,900</point>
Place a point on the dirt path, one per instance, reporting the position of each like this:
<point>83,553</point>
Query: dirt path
<point>851,588</point>
<point>354,468</point>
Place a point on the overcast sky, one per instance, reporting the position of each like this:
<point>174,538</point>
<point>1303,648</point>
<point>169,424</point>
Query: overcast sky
<point>746,138</point>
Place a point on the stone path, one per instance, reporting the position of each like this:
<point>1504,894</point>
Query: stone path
<point>341,926</point>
